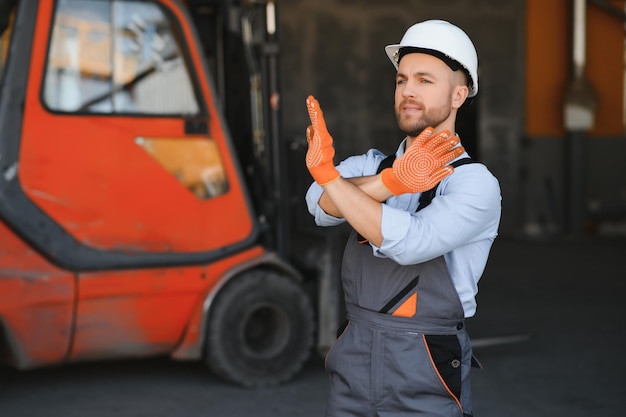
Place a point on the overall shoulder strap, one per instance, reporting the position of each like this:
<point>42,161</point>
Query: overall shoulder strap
<point>427,196</point>
<point>386,163</point>
<point>463,161</point>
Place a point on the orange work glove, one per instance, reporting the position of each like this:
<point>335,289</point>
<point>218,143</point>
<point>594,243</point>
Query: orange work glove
<point>423,165</point>
<point>319,156</point>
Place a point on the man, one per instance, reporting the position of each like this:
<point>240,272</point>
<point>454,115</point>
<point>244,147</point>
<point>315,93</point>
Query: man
<point>410,268</point>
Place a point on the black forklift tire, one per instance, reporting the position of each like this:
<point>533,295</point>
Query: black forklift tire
<point>260,330</point>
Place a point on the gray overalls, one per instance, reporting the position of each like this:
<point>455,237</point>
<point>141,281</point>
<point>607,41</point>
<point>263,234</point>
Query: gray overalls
<point>404,351</point>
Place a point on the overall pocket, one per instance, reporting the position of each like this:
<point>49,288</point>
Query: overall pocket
<point>446,357</point>
<point>341,332</point>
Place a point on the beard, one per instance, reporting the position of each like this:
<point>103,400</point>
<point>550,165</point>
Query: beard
<point>432,117</point>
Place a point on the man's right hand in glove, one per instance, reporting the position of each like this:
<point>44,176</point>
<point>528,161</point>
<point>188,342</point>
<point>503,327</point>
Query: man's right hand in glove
<point>423,164</point>
<point>320,154</point>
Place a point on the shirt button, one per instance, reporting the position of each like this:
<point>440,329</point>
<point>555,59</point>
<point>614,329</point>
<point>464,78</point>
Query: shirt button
<point>459,326</point>
<point>455,363</point>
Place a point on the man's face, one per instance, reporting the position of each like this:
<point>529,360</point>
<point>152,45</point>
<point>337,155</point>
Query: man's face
<point>424,86</point>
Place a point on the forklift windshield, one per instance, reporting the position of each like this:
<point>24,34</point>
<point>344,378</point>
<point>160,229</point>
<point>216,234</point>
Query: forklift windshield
<point>117,57</point>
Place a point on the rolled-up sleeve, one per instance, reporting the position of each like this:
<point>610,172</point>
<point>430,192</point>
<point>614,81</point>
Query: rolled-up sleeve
<point>312,201</point>
<point>354,166</point>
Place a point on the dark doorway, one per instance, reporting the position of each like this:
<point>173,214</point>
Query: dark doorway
<point>467,127</point>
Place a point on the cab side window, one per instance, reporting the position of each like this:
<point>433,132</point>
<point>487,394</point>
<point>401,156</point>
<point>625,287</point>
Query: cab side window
<point>117,57</point>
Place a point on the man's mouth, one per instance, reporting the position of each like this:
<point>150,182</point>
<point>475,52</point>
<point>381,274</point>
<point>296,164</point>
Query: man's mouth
<point>411,108</point>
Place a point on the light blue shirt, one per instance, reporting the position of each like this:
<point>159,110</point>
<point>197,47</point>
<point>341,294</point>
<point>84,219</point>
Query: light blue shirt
<point>461,223</point>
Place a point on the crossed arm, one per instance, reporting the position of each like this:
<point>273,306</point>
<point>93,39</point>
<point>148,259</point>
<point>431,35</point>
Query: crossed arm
<point>358,200</point>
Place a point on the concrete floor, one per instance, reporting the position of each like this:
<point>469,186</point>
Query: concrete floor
<point>560,303</point>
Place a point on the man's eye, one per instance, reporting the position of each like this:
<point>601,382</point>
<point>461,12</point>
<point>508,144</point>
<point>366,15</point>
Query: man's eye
<point>399,82</point>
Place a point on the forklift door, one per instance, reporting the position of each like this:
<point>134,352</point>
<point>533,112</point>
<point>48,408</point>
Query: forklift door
<point>123,157</point>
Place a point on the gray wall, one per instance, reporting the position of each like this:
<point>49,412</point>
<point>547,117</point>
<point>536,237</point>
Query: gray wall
<point>335,50</point>
<point>545,205</point>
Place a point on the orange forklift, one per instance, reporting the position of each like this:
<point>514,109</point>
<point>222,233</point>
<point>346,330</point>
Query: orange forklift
<point>143,190</point>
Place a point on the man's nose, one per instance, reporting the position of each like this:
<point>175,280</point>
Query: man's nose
<point>409,89</point>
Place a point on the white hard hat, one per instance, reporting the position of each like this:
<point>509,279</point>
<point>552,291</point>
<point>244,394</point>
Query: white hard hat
<point>447,41</point>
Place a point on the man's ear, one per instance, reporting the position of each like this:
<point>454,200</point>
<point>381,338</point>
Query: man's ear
<point>459,95</point>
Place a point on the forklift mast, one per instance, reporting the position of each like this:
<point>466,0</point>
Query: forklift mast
<point>241,42</point>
